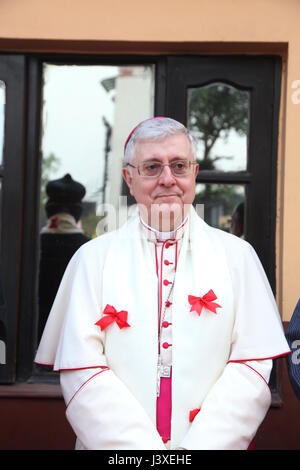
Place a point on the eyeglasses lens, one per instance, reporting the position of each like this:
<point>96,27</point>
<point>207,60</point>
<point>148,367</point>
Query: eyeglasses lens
<point>154,169</point>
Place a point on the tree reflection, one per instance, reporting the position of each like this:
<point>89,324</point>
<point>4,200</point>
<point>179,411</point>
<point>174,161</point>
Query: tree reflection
<point>214,111</point>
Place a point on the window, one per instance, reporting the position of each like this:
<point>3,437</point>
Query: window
<point>79,110</point>
<point>251,88</point>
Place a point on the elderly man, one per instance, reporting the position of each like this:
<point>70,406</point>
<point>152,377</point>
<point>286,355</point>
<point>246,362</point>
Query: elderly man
<point>163,331</point>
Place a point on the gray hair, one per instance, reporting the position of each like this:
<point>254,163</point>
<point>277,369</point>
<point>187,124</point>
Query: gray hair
<point>155,129</point>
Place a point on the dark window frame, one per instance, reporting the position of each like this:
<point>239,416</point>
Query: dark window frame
<point>12,72</point>
<point>263,80</point>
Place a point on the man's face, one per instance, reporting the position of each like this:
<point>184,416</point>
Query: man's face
<point>165,193</point>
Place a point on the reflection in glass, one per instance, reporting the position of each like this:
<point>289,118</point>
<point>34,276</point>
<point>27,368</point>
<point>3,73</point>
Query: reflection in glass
<point>2,119</point>
<point>59,239</point>
<point>218,118</point>
<point>223,206</point>
<point>87,114</point>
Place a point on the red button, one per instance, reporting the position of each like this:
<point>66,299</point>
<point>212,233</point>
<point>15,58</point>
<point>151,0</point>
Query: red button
<point>168,303</point>
<point>167,245</point>
<point>165,324</point>
<point>167,262</point>
<point>166,283</point>
<point>166,345</point>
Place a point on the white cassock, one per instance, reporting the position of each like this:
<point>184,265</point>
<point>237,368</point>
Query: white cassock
<point>220,361</point>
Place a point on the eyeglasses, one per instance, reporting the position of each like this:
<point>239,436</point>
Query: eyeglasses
<point>154,169</point>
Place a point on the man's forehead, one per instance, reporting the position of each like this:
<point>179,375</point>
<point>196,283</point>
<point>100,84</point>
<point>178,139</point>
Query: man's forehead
<point>174,146</point>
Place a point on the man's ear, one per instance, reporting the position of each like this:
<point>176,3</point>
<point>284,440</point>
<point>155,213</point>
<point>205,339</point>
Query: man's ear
<point>127,177</point>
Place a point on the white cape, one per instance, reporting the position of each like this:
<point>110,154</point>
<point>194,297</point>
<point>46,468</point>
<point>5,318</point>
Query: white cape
<point>117,269</point>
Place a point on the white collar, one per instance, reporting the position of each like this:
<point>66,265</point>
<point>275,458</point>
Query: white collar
<point>61,223</point>
<point>154,235</point>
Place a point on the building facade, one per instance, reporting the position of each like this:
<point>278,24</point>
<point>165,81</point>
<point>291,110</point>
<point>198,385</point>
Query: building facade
<point>74,79</point>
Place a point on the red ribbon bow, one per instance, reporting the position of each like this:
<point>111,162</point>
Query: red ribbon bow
<point>113,315</point>
<point>206,301</point>
<point>193,414</point>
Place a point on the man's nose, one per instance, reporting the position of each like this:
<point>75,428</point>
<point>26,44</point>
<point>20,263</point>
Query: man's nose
<point>166,177</point>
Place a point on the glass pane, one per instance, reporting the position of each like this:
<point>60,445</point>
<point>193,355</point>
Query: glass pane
<point>88,112</point>
<point>2,119</point>
<point>218,116</point>
<point>223,206</point>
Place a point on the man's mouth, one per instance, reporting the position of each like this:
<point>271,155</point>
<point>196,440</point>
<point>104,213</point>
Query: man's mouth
<point>167,195</point>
